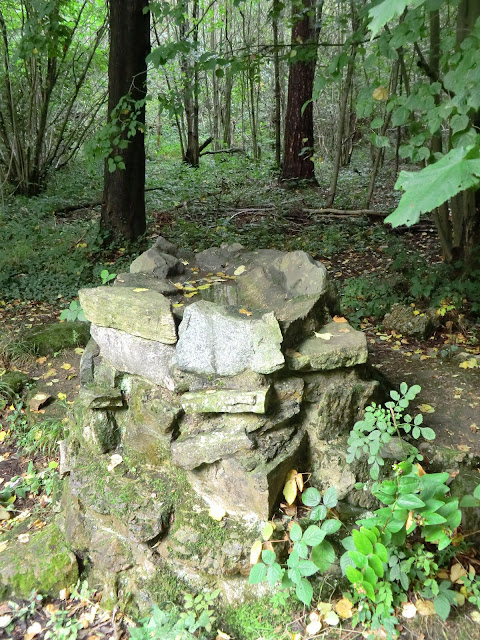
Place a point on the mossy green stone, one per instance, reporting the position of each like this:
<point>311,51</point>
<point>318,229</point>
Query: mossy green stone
<point>12,383</point>
<point>57,337</point>
<point>44,564</point>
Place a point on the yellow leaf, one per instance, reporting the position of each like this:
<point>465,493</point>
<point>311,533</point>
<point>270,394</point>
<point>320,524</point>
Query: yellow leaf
<point>323,336</point>
<point>475,616</point>
<point>344,608</point>
<point>426,408</point>
<point>290,491</point>
<point>255,551</point>
<point>81,245</point>
<point>3,545</point>
<point>380,93</point>
<point>204,286</point>
<point>245,312</point>
<point>469,364</point>
<point>299,481</point>
<point>425,607</point>
<point>313,627</point>
<point>178,285</point>
<point>66,366</point>
<point>138,289</point>
<point>3,435</point>
<point>49,373</point>
<point>217,513</point>
<point>339,319</point>
<point>222,636</point>
<point>189,288</point>
<point>61,396</point>
<point>32,631</point>
<point>79,351</point>
<point>190,295</point>
<point>176,305</point>
<point>267,531</point>
<point>41,360</point>
<point>456,572</point>
<point>239,270</point>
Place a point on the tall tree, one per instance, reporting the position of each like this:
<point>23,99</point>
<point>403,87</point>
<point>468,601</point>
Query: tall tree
<point>123,209</point>
<point>299,137</point>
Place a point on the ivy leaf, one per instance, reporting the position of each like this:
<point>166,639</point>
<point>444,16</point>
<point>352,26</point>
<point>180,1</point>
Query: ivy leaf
<point>456,171</point>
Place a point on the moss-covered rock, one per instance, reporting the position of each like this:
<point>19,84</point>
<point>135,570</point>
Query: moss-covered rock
<point>45,564</point>
<point>12,383</point>
<point>57,337</point>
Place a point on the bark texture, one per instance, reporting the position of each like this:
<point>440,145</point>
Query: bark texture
<point>123,208</point>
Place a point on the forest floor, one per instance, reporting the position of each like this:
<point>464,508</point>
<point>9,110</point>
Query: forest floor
<point>357,254</point>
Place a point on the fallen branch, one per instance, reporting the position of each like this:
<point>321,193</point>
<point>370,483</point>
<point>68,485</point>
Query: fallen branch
<point>348,212</point>
<point>205,144</point>
<point>232,150</point>
<point>95,203</point>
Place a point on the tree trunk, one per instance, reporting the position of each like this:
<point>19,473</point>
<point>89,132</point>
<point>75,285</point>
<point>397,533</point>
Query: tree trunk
<point>192,156</point>
<point>299,140</point>
<point>276,73</point>
<point>123,209</point>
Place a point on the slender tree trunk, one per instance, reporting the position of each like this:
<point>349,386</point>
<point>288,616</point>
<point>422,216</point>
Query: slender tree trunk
<point>123,209</point>
<point>276,73</point>
<point>192,156</point>
<point>343,110</point>
<point>299,137</point>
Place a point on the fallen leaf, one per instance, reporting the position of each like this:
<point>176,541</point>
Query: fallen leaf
<point>255,551</point>
<point>138,289</point>
<point>339,319</point>
<point>50,608</point>
<point>190,295</point>
<point>79,351</point>
<point>32,631</point>
<point>49,374</point>
<point>178,285</point>
<point>409,610</point>
<point>267,531</point>
<point>332,619</point>
<point>66,366</point>
<point>344,608</point>
<point>3,435</point>
<point>324,607</point>
<point>299,481</point>
<point>426,408</point>
<point>222,635</point>
<point>61,396</point>
<point>115,460</point>
<point>38,400</point>
<point>456,572</point>
<point>474,428</point>
<point>463,447</point>
<point>475,616</point>
<point>5,621</point>
<point>323,336</point>
<point>205,286</point>
<point>313,627</point>
<point>176,305</point>
<point>3,545</point>
<point>245,312</point>
<point>425,607</point>
<point>217,513</point>
<point>41,360</point>
<point>239,270</point>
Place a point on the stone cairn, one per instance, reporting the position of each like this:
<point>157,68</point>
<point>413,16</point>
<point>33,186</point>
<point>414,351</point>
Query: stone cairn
<point>207,378</point>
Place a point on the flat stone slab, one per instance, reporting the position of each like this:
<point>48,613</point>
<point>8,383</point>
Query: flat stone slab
<point>336,345</point>
<point>157,263</point>
<point>226,401</point>
<point>135,310</point>
<point>147,281</point>
<point>215,340</point>
<point>132,354</point>
<point>100,398</point>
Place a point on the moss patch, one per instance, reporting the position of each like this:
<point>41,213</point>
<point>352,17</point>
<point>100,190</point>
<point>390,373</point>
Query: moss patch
<point>56,337</point>
<point>44,564</point>
<point>12,383</point>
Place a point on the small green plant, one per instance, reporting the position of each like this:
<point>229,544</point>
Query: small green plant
<point>106,276</point>
<point>32,483</point>
<point>310,552</point>
<point>175,624</point>
<point>381,423</point>
<point>73,313</point>
<point>62,626</point>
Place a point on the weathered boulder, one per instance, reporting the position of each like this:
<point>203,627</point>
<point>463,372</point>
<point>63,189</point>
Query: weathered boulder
<point>217,259</point>
<point>408,321</point>
<point>44,564</point>
<point>219,341</point>
<point>337,345</point>
<point>143,313</point>
<point>95,397</point>
<point>147,358</point>
<point>226,401</point>
<point>157,263</point>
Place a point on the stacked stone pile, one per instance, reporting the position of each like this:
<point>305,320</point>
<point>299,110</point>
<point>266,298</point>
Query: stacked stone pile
<point>228,367</point>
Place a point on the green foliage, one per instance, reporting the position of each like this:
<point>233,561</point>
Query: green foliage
<point>106,276</point>
<point>457,171</point>
<point>31,483</point>
<point>196,618</point>
<point>399,548</point>
<point>381,423</point>
<point>62,626</point>
<point>73,313</point>
<point>41,437</point>
<point>311,552</point>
